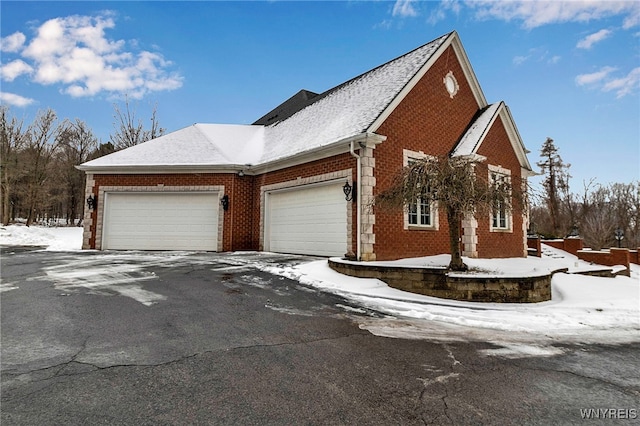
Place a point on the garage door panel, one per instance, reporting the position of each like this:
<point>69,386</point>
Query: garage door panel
<point>161,221</point>
<point>309,220</point>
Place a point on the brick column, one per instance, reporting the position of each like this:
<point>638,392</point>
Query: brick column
<point>469,236</point>
<point>367,218</point>
<point>621,256</point>
<point>572,245</point>
<point>87,221</point>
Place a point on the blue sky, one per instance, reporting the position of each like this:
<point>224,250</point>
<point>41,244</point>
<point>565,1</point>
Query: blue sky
<point>568,70</point>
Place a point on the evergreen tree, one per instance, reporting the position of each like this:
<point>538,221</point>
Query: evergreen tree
<point>555,183</point>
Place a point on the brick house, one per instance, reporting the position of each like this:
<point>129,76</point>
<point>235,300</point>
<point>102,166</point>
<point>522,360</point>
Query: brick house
<point>282,183</point>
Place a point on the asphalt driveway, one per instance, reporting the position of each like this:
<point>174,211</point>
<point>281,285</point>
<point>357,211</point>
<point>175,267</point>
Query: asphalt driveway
<point>205,338</point>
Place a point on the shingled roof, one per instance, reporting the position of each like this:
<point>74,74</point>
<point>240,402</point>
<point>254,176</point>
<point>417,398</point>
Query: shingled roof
<point>305,122</point>
<point>289,107</point>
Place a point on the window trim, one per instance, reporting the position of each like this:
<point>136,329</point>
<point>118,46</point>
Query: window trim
<point>407,156</point>
<point>508,214</point>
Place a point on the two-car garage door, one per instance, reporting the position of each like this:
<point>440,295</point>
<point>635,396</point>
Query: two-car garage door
<point>161,221</point>
<point>307,220</point>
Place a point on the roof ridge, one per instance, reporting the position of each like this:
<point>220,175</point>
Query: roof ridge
<point>387,63</point>
<point>334,89</point>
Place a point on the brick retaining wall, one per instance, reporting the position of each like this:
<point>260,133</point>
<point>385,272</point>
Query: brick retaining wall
<point>609,257</point>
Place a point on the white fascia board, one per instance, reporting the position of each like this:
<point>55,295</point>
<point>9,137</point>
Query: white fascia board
<point>512,133</point>
<point>452,40</point>
<point>470,143</point>
<point>514,137</point>
<point>341,146</point>
<point>161,169</point>
<point>469,73</point>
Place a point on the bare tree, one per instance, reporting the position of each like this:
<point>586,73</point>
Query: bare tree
<point>40,146</point>
<point>598,220</point>
<point>130,131</point>
<point>625,202</point>
<point>12,139</point>
<point>76,142</point>
<point>459,186</point>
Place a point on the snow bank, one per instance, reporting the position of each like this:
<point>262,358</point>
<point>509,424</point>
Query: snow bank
<point>52,239</point>
<point>583,308</point>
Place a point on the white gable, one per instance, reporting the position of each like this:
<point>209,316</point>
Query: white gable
<point>475,135</point>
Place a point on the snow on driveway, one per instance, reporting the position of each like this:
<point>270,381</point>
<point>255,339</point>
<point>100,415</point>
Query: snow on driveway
<point>583,309</point>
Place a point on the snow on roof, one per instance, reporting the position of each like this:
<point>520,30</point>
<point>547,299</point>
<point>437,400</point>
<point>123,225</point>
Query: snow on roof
<point>344,111</point>
<point>196,145</point>
<point>347,110</point>
<point>476,133</point>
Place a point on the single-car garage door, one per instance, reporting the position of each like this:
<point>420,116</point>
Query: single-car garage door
<point>161,221</point>
<point>311,220</point>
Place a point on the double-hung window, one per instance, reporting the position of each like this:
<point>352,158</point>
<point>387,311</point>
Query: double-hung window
<point>423,213</point>
<point>501,215</point>
<point>419,213</point>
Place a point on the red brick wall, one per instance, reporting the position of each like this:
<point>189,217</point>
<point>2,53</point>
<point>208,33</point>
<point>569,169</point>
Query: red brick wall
<point>427,120</point>
<point>497,148</point>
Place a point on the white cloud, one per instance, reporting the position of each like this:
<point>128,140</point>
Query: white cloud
<point>538,13</point>
<point>12,43</point>
<point>622,86</point>
<point>595,77</point>
<point>537,54</point>
<point>519,60</point>
<point>76,53</point>
<point>14,69</point>
<point>554,59</point>
<point>404,8</point>
<point>15,100</point>
<point>625,85</point>
<point>591,39</point>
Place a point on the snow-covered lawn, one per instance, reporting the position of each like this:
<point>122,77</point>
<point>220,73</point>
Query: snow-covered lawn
<point>60,238</point>
<point>583,309</point>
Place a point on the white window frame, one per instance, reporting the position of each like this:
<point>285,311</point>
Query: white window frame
<point>504,214</point>
<point>408,156</point>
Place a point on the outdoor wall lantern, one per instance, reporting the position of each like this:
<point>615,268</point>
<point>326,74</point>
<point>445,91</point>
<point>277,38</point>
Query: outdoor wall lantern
<point>619,234</point>
<point>92,202</point>
<point>574,231</point>
<point>225,202</point>
<point>349,191</point>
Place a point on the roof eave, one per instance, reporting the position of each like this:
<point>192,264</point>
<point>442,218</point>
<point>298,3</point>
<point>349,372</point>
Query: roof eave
<point>335,148</point>
<point>515,138</point>
<point>161,168</point>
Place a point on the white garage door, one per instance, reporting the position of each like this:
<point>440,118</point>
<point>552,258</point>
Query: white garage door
<point>161,221</point>
<point>309,220</point>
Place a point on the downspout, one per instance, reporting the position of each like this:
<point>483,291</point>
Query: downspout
<point>358,202</point>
